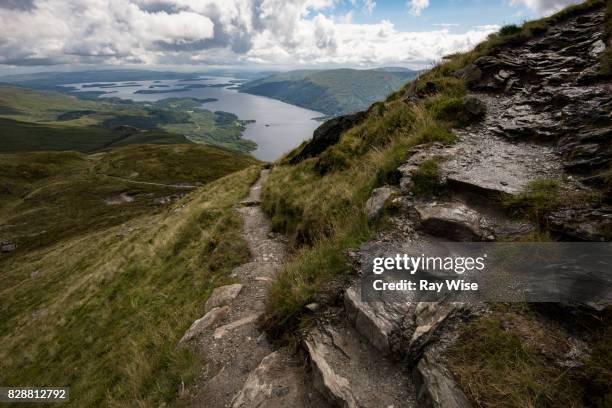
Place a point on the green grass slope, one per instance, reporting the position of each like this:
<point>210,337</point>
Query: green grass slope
<point>50,196</point>
<point>332,92</point>
<point>96,295</point>
<point>19,136</point>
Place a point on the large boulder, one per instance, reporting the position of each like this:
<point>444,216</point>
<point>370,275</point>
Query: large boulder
<point>328,134</point>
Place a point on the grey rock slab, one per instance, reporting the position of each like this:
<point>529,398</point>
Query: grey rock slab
<point>437,387</point>
<point>377,321</point>
<point>376,203</point>
<point>222,331</point>
<point>463,219</point>
<point>429,321</point>
<point>332,385</point>
<point>278,382</point>
<point>350,373</point>
<point>223,295</point>
<point>490,165</point>
<point>454,220</point>
<point>208,321</point>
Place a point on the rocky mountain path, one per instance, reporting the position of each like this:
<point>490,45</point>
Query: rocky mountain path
<point>544,115</point>
<point>242,368</point>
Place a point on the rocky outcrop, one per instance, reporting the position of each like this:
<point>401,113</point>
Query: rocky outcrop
<point>427,325</point>
<point>537,111</point>
<point>332,385</point>
<point>460,220</point>
<point>379,322</point>
<point>327,135</point>
<point>589,224</point>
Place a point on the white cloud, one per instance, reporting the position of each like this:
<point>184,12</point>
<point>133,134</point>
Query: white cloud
<point>287,32</point>
<point>369,44</point>
<point>545,7</point>
<point>417,6</point>
<point>368,6</point>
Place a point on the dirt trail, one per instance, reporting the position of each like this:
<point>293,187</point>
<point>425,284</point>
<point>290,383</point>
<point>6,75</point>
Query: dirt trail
<point>242,368</point>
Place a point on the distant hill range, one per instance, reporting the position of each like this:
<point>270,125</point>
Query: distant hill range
<point>332,92</point>
<point>56,80</point>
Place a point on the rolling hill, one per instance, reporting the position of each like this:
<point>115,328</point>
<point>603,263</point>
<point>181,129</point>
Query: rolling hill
<point>332,92</point>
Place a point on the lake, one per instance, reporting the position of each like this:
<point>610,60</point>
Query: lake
<point>278,128</point>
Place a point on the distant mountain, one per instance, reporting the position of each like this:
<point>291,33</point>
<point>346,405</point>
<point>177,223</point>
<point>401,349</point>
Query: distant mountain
<point>332,92</point>
<point>55,80</point>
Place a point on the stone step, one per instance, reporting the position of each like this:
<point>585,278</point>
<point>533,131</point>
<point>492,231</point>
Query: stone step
<point>223,331</point>
<point>223,295</point>
<point>492,166</point>
<point>400,330</point>
<point>379,322</point>
<point>459,220</point>
<point>350,373</point>
<point>279,381</point>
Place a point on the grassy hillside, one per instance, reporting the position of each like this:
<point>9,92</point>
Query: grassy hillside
<point>366,157</point>
<point>332,92</point>
<point>98,292</point>
<point>26,136</point>
<point>50,196</point>
<point>47,120</point>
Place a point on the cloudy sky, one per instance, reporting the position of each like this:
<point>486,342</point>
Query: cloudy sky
<point>262,33</point>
